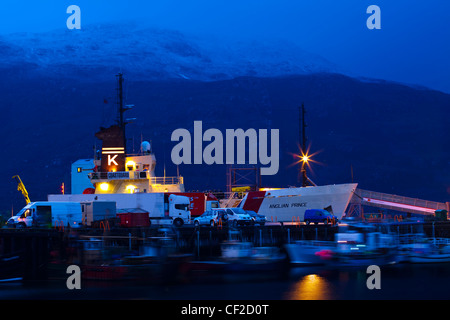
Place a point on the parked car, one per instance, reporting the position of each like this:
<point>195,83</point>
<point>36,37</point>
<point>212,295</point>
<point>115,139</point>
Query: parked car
<point>319,215</point>
<point>238,216</point>
<point>257,218</point>
<point>211,218</point>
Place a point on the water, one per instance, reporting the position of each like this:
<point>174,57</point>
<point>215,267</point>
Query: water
<point>398,282</point>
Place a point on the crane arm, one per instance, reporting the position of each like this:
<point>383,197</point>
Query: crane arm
<point>21,188</point>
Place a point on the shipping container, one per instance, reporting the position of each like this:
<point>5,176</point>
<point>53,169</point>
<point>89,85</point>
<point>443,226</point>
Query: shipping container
<point>136,217</point>
<point>97,210</point>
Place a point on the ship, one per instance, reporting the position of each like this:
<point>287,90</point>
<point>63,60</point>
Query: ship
<point>130,181</point>
<point>290,204</point>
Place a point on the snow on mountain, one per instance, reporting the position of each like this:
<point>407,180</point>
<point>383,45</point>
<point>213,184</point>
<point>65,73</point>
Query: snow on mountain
<point>151,53</point>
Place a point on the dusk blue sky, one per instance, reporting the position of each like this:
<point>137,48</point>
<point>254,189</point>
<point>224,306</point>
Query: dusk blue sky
<point>413,45</point>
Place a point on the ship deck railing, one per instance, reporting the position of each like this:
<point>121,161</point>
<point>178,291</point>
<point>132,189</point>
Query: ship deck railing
<point>134,175</point>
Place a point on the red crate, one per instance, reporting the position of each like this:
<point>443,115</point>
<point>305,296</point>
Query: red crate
<point>133,218</point>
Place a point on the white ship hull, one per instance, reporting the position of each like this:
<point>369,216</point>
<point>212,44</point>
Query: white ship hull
<point>290,204</point>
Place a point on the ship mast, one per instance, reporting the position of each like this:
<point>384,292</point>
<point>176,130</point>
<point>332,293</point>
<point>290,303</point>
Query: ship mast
<point>121,109</point>
<point>302,136</point>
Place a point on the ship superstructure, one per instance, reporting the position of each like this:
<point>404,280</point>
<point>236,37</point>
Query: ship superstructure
<point>113,170</point>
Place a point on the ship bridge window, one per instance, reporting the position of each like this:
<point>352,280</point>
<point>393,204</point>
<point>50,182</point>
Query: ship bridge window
<point>130,165</point>
<point>143,175</point>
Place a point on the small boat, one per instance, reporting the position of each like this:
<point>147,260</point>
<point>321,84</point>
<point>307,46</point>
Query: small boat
<point>239,261</point>
<point>428,250</point>
<point>355,249</point>
<point>155,262</point>
<point>430,258</point>
<point>310,252</point>
<point>106,272</point>
<point>244,257</point>
<point>11,267</point>
<point>355,245</point>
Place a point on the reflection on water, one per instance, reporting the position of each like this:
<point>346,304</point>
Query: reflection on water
<point>397,282</point>
<point>311,287</point>
<point>403,281</point>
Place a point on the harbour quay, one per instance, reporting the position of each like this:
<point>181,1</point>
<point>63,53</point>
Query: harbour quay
<point>31,254</point>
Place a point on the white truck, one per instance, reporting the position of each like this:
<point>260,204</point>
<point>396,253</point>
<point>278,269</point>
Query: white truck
<point>163,208</point>
<point>48,214</point>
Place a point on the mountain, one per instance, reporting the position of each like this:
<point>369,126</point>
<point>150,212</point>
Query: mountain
<point>57,90</point>
<point>100,50</point>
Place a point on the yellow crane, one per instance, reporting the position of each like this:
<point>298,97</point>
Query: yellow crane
<point>21,188</point>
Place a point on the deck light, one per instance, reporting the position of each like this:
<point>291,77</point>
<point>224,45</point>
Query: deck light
<point>130,188</point>
<point>104,186</point>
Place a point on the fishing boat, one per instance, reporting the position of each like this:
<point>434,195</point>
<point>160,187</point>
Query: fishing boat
<point>244,257</point>
<point>11,267</point>
<point>239,260</point>
<point>310,252</point>
<point>156,261</point>
<point>360,244</point>
<point>356,244</point>
<point>427,250</point>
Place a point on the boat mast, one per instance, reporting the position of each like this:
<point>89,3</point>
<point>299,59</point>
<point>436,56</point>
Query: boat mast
<point>302,138</point>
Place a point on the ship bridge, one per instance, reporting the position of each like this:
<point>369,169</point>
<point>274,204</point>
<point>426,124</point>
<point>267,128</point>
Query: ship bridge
<point>394,202</point>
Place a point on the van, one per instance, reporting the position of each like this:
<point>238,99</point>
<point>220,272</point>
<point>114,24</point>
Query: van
<point>318,215</point>
<point>238,216</point>
<point>48,214</point>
